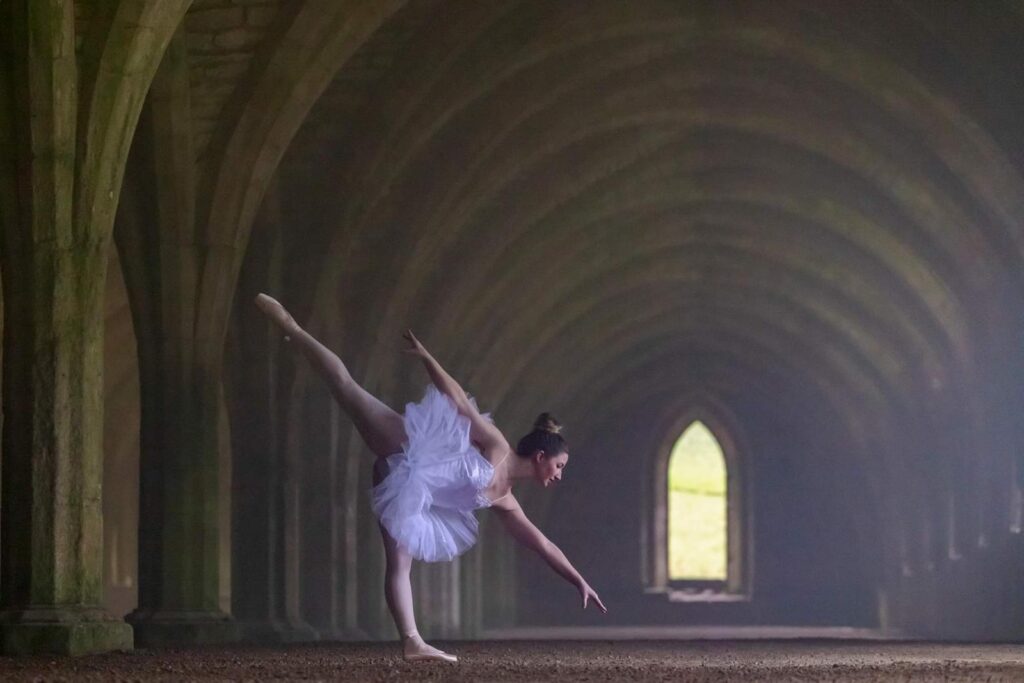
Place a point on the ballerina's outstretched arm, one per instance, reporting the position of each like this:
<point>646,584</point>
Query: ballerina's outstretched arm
<point>525,532</point>
<point>481,430</point>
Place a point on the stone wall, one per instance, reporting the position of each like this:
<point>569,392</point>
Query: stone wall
<point>224,38</point>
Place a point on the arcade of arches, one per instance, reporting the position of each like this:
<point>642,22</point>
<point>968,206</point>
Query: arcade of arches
<point>807,215</point>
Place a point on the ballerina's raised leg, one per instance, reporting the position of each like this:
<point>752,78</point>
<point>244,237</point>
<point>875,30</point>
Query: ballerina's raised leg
<point>383,430</point>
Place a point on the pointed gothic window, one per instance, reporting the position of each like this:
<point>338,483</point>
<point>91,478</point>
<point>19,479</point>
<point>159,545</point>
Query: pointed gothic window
<point>698,525</point>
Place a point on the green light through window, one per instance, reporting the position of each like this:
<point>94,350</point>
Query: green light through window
<point>697,516</point>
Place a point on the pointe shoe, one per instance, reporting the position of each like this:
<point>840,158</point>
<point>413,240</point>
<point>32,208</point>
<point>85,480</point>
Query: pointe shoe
<point>419,651</point>
<point>439,656</point>
<point>277,313</point>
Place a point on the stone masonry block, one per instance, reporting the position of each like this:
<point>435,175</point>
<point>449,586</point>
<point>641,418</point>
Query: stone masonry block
<point>226,71</point>
<point>236,39</point>
<point>261,17</point>
<point>214,20</point>
<point>200,42</point>
<point>65,639</point>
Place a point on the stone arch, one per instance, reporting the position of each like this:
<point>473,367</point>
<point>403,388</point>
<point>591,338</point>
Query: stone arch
<point>266,126</point>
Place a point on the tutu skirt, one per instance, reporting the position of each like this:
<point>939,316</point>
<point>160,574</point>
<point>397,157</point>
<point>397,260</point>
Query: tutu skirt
<point>428,498</point>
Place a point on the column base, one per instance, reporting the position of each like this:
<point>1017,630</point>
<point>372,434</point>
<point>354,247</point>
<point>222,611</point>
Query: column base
<point>64,631</point>
<point>273,631</point>
<point>163,629</point>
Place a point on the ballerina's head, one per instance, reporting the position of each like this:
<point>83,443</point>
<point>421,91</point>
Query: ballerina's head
<point>546,450</point>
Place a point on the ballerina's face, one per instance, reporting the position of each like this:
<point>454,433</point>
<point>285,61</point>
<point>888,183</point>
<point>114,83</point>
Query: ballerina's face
<point>548,470</point>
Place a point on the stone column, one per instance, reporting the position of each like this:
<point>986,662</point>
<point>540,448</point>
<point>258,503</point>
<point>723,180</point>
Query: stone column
<point>179,546</point>
<point>350,510</point>
<point>317,451</point>
<point>265,525</point>
<point>311,422</point>
<point>53,276</point>
<point>257,534</point>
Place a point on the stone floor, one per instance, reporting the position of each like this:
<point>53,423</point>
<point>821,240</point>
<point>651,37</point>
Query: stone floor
<point>565,660</point>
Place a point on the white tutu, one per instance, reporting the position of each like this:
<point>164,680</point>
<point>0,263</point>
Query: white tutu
<point>426,501</point>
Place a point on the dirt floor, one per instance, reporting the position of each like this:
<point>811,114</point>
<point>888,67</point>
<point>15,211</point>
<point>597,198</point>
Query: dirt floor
<point>546,661</point>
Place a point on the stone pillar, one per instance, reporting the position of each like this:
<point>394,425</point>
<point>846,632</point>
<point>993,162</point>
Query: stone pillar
<point>293,522</point>
<point>53,276</point>
<point>258,549</point>
<point>265,526</point>
<point>350,511</point>
<point>179,545</point>
<point>255,598</point>
<point>342,529</point>
<point>317,451</point>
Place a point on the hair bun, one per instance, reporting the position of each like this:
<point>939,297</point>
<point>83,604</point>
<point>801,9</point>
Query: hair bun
<point>547,423</point>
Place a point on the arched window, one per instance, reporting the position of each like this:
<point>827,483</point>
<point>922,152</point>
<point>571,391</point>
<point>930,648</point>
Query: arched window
<point>698,524</point>
<point>697,508</point>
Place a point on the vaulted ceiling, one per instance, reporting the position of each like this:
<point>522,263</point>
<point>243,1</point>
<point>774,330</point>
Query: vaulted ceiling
<point>803,209</point>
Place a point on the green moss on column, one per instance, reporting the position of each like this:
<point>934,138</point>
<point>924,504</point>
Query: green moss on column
<point>69,160</point>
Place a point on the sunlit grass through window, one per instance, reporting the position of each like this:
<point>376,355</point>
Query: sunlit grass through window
<point>697,526</point>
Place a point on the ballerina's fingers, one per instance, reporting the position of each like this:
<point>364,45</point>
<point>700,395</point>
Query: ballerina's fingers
<point>589,593</point>
<point>415,348</point>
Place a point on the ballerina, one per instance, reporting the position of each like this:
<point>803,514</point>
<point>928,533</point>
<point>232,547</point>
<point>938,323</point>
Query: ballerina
<point>434,466</point>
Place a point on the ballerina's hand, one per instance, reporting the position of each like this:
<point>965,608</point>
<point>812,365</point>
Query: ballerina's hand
<point>415,348</point>
<point>588,593</point>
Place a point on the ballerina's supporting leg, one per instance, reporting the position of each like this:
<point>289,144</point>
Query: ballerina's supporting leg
<point>398,592</point>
